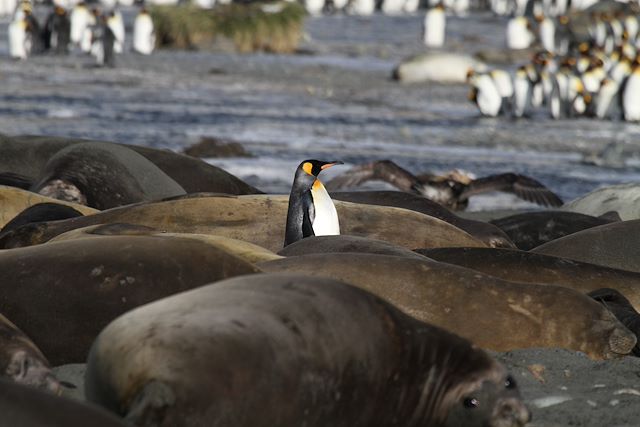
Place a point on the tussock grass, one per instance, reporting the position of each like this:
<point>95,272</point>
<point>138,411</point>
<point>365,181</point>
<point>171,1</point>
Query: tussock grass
<point>249,27</point>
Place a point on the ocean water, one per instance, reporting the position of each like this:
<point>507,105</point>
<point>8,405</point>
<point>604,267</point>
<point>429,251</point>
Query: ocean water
<point>334,100</point>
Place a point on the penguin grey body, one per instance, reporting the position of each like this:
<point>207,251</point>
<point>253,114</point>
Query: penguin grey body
<point>311,211</point>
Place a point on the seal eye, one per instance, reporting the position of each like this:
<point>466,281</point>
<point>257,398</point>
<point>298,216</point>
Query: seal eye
<point>471,402</point>
<point>509,383</point>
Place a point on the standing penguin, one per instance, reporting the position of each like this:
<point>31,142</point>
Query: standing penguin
<point>116,25</point>
<point>519,33</point>
<point>631,96</point>
<point>522,92</point>
<point>434,26</point>
<point>144,36</point>
<point>57,30</point>
<point>80,19</point>
<point>311,211</point>
<point>484,93</point>
<point>19,39</point>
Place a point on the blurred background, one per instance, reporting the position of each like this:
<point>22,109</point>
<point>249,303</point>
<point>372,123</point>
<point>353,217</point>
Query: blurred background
<point>546,88</point>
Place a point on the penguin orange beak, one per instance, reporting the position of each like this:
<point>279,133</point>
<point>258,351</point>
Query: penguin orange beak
<point>330,164</point>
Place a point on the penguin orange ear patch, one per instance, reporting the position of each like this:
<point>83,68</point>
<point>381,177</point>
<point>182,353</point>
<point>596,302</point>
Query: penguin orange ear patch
<point>307,167</point>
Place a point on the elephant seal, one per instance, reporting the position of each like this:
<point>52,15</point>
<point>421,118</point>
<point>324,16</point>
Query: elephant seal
<point>245,250</point>
<point>23,406</point>
<point>39,213</point>
<point>438,67</point>
<point>623,198</point>
<point>13,201</point>
<point>257,219</point>
<point>620,306</point>
<point>493,313</point>
<point>21,361</point>
<point>615,245</point>
<point>85,283</point>
<point>103,176</point>
<point>27,155</point>
<point>343,243</point>
<point>15,180</point>
<point>520,266</point>
<point>530,229</point>
<point>279,350</point>
<point>491,235</point>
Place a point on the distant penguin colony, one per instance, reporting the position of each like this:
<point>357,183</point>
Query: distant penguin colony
<point>73,27</point>
<point>596,74</point>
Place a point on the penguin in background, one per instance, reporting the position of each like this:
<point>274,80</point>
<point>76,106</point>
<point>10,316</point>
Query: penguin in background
<point>19,39</point>
<point>631,95</point>
<point>144,36</point>
<point>522,92</point>
<point>86,39</point>
<point>434,26</point>
<point>103,42</point>
<point>57,31</point>
<point>519,34</point>
<point>79,18</point>
<point>484,93</point>
<point>504,84</point>
<point>311,211</point>
<point>116,25</point>
<point>607,102</point>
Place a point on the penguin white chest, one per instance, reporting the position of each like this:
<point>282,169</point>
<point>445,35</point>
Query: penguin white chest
<point>325,222</point>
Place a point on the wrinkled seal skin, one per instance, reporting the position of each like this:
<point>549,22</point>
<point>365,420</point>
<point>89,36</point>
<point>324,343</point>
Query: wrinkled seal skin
<point>258,219</point>
<point>23,406</point>
<point>522,315</point>
<point>520,266</point>
<point>63,293</point>
<point>344,243</point>
<point>103,176</point>
<point>615,245</point>
<point>491,235</point>
<point>620,306</point>
<point>21,361</point>
<point>278,350</point>
<point>531,229</point>
<point>27,155</point>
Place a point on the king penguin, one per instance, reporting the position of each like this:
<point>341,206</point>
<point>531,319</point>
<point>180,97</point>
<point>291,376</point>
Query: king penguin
<point>311,211</point>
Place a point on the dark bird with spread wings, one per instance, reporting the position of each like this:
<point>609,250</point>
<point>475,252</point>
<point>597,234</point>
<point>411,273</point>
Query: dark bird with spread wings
<point>452,190</point>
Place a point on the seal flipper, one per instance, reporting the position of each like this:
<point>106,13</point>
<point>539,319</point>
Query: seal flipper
<point>622,309</point>
<point>150,404</point>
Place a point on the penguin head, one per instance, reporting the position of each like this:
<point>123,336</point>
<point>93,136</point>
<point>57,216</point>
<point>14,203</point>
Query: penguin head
<point>314,167</point>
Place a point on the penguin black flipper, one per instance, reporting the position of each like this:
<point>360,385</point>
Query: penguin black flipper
<point>308,216</point>
<point>382,170</point>
<point>522,186</point>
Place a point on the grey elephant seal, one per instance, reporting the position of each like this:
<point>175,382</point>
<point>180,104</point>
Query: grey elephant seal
<point>23,406</point>
<point>493,313</point>
<point>85,283</point>
<point>520,266</point>
<point>257,219</point>
<point>531,229</point>
<point>615,245</point>
<point>27,156</point>
<point>103,176</point>
<point>281,350</point>
<point>623,198</point>
<point>21,361</point>
<point>491,235</point>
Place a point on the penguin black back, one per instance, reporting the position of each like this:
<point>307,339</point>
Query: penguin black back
<point>302,211</point>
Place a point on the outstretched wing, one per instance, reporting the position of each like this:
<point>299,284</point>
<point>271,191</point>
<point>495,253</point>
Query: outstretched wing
<point>382,170</point>
<point>522,186</point>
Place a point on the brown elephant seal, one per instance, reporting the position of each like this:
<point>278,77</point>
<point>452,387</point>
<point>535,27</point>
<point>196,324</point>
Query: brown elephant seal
<point>278,350</point>
<point>615,245</point>
<point>85,283</point>
<point>13,201</point>
<point>257,219</point>
<point>620,306</point>
<point>103,176</point>
<point>39,213</point>
<point>491,235</point>
<point>531,229</point>
<point>245,250</point>
<point>493,313</point>
<point>23,406</point>
<point>344,243</point>
<point>27,155</point>
<point>520,266</point>
<point>21,361</point>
